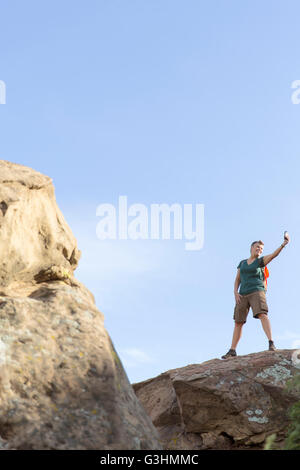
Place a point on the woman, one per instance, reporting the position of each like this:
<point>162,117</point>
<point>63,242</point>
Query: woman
<point>250,277</point>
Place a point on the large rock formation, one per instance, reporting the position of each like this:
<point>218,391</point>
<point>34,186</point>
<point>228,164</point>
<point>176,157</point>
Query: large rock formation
<point>62,384</point>
<point>34,234</point>
<point>223,404</point>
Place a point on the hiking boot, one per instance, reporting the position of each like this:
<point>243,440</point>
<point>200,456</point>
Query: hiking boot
<point>231,353</point>
<point>271,346</point>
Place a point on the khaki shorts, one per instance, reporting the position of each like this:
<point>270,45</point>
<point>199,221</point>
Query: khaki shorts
<point>256,300</point>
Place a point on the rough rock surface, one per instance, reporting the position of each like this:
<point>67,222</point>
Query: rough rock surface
<point>34,233</point>
<point>62,384</point>
<point>222,404</point>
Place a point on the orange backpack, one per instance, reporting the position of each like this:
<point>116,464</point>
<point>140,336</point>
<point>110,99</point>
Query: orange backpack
<point>266,274</point>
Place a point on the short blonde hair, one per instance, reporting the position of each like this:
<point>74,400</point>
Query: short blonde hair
<point>257,241</point>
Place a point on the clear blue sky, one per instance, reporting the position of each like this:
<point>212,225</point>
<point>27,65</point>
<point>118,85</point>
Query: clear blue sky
<point>164,102</point>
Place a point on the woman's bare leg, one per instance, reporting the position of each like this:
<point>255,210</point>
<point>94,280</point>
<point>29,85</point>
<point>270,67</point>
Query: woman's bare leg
<point>237,333</point>
<point>266,325</point>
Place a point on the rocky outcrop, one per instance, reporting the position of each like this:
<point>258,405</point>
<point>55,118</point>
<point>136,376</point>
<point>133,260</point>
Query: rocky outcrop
<point>222,404</point>
<point>33,232</point>
<point>62,384</point>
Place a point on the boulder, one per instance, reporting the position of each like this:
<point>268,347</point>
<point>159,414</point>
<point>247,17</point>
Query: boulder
<point>223,404</point>
<point>33,232</point>
<point>62,383</point>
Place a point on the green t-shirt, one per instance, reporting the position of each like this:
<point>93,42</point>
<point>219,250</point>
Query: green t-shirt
<point>252,276</point>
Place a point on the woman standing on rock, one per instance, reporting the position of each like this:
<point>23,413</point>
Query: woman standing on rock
<point>251,278</point>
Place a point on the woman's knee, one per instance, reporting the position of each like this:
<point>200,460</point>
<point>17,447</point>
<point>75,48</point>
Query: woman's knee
<point>262,316</point>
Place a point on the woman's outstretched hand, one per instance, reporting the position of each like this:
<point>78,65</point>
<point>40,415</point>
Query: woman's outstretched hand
<point>286,238</point>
